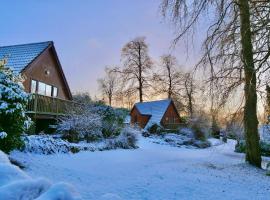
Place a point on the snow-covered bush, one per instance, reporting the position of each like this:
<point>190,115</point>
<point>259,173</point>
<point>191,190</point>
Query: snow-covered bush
<point>235,130</point>
<point>47,144</point>
<point>86,125</point>
<point>13,102</point>
<point>240,147</point>
<point>200,127</point>
<point>268,168</point>
<point>126,140</point>
<point>215,129</point>
<point>112,119</point>
<point>155,129</point>
<point>185,137</point>
<point>186,132</point>
<point>264,132</point>
<point>91,121</point>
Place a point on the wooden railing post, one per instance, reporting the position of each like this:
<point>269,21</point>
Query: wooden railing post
<point>35,103</point>
<point>57,107</point>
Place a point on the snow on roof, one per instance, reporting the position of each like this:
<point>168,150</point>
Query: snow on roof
<point>20,56</point>
<point>156,109</point>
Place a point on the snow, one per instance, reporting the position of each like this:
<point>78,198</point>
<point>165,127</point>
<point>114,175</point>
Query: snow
<point>156,109</point>
<point>17,185</point>
<point>154,171</point>
<point>3,134</point>
<point>52,144</point>
<point>264,132</point>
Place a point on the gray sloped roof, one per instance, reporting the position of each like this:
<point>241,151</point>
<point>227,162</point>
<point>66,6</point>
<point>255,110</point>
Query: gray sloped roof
<point>156,109</point>
<point>20,56</point>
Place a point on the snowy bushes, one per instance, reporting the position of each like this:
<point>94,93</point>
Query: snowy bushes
<point>235,130</point>
<point>46,144</point>
<point>112,119</point>
<point>49,144</point>
<point>13,101</point>
<point>187,136</point>
<point>264,132</point>
<point>91,121</point>
<point>240,147</point>
<point>200,127</point>
<point>126,140</point>
<point>84,126</point>
<point>155,129</point>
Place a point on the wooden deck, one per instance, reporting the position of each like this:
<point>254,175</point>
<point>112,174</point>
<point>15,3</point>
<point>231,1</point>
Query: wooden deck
<point>48,106</point>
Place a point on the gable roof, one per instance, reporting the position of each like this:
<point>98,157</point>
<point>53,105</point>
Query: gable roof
<point>20,56</point>
<point>156,109</point>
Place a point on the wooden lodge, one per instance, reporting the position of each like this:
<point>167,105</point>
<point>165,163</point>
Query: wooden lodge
<point>43,76</point>
<point>162,112</point>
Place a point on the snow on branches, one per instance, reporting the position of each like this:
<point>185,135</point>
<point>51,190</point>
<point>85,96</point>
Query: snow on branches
<point>13,102</point>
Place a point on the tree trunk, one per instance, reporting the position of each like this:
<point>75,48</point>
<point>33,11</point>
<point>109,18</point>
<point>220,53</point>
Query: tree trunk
<point>267,106</point>
<point>253,154</point>
<point>140,92</point>
<point>170,83</point>
<point>190,106</point>
<point>140,77</point>
<point>110,100</point>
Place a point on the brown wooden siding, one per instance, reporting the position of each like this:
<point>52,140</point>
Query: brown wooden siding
<point>137,118</point>
<point>36,71</point>
<point>171,116</point>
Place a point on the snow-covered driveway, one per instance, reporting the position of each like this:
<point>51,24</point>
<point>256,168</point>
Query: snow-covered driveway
<point>155,172</point>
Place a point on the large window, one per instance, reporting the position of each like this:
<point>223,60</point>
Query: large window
<point>43,89</point>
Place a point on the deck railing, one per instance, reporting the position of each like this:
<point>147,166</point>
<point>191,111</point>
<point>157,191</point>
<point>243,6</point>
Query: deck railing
<point>40,104</point>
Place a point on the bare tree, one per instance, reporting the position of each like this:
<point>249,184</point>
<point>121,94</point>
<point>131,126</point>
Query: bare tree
<point>189,87</point>
<point>137,64</point>
<point>108,84</point>
<point>236,49</point>
<point>168,78</point>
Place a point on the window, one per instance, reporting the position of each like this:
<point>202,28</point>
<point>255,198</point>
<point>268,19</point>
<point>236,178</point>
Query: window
<point>48,90</point>
<point>41,88</point>
<point>33,86</point>
<point>55,92</point>
<point>44,89</point>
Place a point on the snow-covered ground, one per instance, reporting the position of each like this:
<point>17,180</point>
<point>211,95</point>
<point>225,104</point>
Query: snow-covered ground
<point>154,171</point>
<point>17,185</point>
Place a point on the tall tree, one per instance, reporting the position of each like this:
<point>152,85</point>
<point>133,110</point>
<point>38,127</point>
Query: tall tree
<point>108,84</point>
<point>13,102</point>
<point>137,63</point>
<point>189,90</point>
<point>168,78</point>
<point>236,49</point>
<point>250,112</point>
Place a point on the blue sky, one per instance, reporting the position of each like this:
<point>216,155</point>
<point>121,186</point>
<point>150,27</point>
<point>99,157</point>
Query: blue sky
<point>88,34</point>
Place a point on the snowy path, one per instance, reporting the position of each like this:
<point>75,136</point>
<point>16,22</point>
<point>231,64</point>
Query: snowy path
<point>155,172</point>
